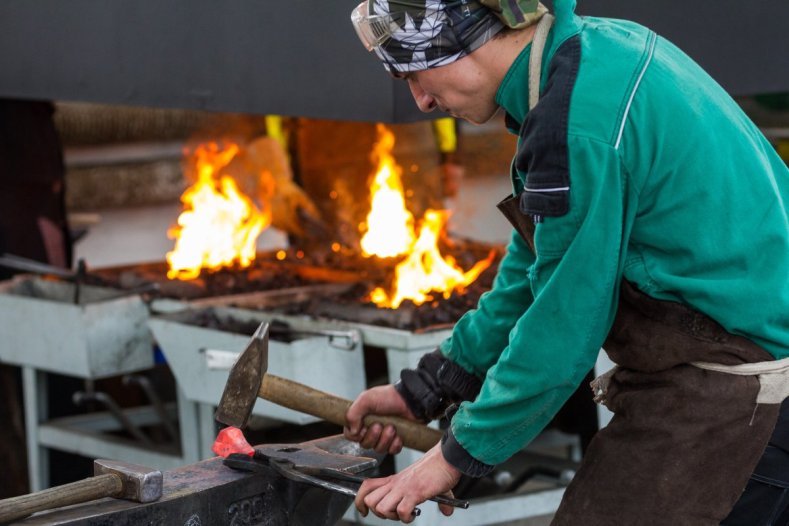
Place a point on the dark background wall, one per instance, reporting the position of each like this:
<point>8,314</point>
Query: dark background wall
<point>302,57</point>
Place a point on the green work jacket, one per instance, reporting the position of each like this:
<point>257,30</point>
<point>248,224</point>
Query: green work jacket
<point>635,164</point>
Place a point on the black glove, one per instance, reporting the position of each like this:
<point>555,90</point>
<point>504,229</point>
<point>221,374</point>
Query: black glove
<point>435,384</point>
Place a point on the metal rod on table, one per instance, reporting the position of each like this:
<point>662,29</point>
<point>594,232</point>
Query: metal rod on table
<point>28,265</point>
<point>79,398</point>
<point>145,384</point>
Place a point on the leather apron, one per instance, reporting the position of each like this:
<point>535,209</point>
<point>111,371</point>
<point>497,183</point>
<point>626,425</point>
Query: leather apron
<point>683,440</point>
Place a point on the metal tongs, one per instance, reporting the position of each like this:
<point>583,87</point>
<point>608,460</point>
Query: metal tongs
<point>315,476</point>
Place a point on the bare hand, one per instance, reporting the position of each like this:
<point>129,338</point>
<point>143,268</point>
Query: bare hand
<point>396,497</point>
<point>385,401</point>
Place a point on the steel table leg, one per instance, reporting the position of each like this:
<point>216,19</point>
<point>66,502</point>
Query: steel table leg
<point>36,411</point>
<point>189,428</point>
<point>207,429</point>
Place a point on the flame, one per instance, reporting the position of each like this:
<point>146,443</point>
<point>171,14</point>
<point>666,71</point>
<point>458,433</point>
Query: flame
<point>220,225</point>
<point>390,232</point>
<point>425,270</point>
<point>390,226</point>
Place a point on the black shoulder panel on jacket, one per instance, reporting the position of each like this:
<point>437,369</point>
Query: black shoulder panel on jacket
<point>542,154</point>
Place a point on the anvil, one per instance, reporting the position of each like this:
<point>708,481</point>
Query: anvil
<point>210,493</point>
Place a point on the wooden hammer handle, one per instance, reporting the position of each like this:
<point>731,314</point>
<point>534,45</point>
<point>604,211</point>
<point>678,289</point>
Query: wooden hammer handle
<point>331,408</point>
<point>100,486</point>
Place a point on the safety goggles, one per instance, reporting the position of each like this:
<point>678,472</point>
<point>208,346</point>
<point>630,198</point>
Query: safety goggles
<point>374,30</point>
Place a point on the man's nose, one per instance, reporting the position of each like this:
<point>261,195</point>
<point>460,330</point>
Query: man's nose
<point>424,102</point>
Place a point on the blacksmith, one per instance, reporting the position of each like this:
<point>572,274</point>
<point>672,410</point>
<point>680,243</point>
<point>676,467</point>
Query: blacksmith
<point>651,219</point>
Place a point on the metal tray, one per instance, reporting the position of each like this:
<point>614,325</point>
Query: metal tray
<point>41,326</point>
<point>201,357</point>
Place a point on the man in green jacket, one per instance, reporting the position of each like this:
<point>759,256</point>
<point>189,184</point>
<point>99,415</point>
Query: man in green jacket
<point>651,220</point>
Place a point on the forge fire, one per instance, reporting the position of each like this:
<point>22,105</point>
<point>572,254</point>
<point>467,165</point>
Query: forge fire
<point>220,224</point>
<point>399,258</point>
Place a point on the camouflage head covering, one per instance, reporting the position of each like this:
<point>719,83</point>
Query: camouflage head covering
<point>516,13</point>
<point>433,33</point>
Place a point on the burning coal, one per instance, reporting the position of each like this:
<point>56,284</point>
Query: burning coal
<point>425,270</point>
<point>390,232</point>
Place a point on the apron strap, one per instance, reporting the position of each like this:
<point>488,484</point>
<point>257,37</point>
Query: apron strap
<point>773,377</point>
<point>535,57</point>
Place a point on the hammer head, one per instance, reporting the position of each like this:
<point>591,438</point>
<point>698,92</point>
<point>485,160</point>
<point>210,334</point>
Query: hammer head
<point>140,484</point>
<point>243,382</point>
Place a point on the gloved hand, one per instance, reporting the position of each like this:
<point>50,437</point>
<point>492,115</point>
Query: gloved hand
<point>435,384</point>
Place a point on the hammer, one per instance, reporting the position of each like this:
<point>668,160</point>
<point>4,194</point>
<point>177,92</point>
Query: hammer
<point>110,479</point>
<point>248,379</point>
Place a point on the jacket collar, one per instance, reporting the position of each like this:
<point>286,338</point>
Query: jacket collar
<point>513,92</point>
